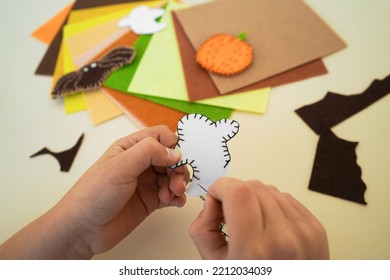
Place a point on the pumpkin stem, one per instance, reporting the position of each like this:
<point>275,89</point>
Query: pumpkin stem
<point>242,36</point>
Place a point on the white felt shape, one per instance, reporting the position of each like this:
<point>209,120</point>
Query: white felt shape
<point>142,20</point>
<point>203,145</point>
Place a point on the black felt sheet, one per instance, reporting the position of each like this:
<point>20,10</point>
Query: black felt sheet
<point>335,169</point>
<point>334,108</point>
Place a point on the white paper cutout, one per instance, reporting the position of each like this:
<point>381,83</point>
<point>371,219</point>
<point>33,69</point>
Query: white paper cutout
<point>203,145</point>
<point>142,20</point>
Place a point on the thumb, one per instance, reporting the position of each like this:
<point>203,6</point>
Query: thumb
<point>205,232</point>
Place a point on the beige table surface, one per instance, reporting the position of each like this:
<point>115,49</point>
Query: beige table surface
<point>276,148</point>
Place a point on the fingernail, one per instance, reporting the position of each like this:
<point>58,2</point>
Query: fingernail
<point>172,153</point>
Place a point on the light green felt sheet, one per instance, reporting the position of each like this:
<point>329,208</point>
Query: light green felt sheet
<point>121,79</point>
<point>160,73</point>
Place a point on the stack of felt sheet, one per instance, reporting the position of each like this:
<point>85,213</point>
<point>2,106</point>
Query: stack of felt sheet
<point>164,82</point>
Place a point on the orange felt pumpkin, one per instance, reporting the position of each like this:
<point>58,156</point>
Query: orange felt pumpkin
<point>225,54</point>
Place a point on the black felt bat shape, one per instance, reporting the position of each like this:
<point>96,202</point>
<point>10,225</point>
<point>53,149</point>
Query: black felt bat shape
<point>92,76</point>
<point>65,158</point>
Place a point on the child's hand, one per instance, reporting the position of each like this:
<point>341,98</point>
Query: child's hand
<point>262,223</point>
<point>110,200</point>
<point>124,186</point>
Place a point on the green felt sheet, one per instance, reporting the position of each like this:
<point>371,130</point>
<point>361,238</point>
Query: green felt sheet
<point>121,78</point>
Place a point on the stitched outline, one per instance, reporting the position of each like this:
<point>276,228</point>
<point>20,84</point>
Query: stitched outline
<point>194,168</point>
<point>180,135</point>
<point>226,138</point>
<point>224,142</point>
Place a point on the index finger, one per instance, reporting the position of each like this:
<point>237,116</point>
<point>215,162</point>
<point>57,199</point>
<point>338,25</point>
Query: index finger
<point>241,210</point>
<point>161,133</point>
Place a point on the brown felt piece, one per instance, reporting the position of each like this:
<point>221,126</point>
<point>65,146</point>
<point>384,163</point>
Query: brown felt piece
<point>284,34</point>
<point>65,158</point>
<point>335,108</point>
<point>335,169</point>
<point>48,62</point>
<point>92,76</point>
<point>201,86</point>
<point>84,4</point>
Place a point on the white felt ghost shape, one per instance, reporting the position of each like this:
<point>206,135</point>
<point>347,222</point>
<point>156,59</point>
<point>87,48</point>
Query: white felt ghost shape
<point>142,20</point>
<point>203,145</point>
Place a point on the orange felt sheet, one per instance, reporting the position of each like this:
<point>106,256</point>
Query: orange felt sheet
<point>143,112</point>
<point>46,32</point>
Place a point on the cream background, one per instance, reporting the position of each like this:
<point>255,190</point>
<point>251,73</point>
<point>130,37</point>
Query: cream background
<point>276,148</point>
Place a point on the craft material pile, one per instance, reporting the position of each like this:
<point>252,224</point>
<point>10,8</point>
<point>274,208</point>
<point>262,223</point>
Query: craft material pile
<point>164,82</point>
<point>158,61</point>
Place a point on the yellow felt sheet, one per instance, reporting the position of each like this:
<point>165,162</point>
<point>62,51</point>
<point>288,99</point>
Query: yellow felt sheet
<point>82,59</point>
<point>160,74</point>
<point>76,26</point>
<point>84,41</point>
<point>73,103</point>
<point>100,107</point>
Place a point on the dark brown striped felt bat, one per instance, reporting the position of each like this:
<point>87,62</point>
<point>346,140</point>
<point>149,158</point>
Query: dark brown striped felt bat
<point>91,76</point>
